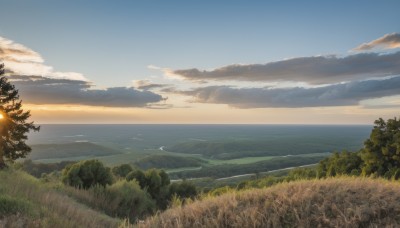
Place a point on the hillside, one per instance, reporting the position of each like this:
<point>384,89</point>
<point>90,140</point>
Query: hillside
<point>166,162</point>
<point>69,150</point>
<point>335,202</point>
<point>27,202</point>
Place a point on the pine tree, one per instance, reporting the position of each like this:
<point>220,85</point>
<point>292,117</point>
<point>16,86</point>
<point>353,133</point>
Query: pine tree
<point>13,125</point>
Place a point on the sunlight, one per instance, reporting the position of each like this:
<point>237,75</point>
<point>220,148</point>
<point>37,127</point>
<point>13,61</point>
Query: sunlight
<point>1,116</point>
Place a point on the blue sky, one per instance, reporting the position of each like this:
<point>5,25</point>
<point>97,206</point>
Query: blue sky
<point>119,39</point>
<point>112,43</point>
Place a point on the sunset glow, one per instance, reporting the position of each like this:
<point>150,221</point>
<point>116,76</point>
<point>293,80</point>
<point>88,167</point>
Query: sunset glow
<point>277,63</point>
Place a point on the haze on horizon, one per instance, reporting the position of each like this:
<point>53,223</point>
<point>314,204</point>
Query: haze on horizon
<point>225,62</point>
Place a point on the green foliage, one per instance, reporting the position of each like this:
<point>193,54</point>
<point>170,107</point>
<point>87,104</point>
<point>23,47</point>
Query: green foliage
<point>38,169</point>
<point>305,141</point>
<point>227,170</point>
<point>128,200</point>
<point>69,150</point>
<point>139,176</point>
<point>122,170</point>
<point>183,189</point>
<point>221,190</point>
<point>381,153</point>
<point>301,174</point>
<point>10,205</point>
<point>157,186</point>
<point>86,174</point>
<point>27,202</point>
<point>344,163</point>
<point>167,161</point>
<point>13,127</point>
<point>293,175</point>
<point>155,182</point>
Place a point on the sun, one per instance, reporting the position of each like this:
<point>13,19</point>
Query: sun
<point>1,116</point>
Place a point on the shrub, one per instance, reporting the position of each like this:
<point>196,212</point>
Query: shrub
<point>10,205</point>
<point>86,174</point>
<point>122,170</point>
<point>127,200</point>
<point>343,163</point>
<point>183,189</point>
<point>139,176</point>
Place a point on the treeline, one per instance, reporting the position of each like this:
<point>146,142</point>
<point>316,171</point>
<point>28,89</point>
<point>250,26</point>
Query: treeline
<point>228,170</point>
<point>167,162</point>
<point>226,150</point>
<point>39,169</point>
<point>380,157</point>
<point>68,150</point>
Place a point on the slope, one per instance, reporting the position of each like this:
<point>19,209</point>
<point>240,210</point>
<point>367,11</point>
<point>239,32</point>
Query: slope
<point>335,202</point>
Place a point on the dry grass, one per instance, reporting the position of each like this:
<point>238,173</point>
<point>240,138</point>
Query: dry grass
<point>51,208</point>
<point>336,202</point>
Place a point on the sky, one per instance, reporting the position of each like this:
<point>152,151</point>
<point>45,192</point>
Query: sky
<point>203,62</point>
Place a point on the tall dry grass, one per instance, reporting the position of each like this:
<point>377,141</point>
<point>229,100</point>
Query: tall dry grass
<point>336,202</point>
<point>51,208</point>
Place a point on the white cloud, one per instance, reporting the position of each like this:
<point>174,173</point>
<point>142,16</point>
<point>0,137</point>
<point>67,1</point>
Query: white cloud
<point>24,61</point>
<point>40,84</point>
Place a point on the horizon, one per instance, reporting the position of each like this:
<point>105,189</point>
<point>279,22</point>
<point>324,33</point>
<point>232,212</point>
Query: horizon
<point>204,124</point>
<point>203,63</point>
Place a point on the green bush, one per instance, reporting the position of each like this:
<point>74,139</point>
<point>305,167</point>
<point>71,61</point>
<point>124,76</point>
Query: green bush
<point>122,170</point>
<point>86,174</point>
<point>128,200</point>
<point>139,176</point>
<point>183,189</point>
<point>10,205</point>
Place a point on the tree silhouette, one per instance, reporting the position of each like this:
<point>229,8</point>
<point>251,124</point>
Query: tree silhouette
<point>13,125</point>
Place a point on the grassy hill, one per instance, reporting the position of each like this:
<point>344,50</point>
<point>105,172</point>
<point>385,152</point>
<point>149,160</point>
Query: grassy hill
<point>27,202</point>
<point>69,150</point>
<point>335,202</point>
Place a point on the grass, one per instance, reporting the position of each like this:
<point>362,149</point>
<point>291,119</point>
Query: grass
<point>336,202</point>
<point>26,202</point>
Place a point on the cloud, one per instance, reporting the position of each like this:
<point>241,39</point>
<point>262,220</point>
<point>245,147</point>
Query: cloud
<point>41,90</point>
<point>24,61</point>
<point>388,41</point>
<point>148,85</point>
<point>313,70</point>
<point>344,94</point>
<point>40,84</point>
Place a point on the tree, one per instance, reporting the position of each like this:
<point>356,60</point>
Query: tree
<point>381,152</point>
<point>13,125</point>
<point>86,174</point>
<point>139,176</point>
<point>122,170</point>
<point>183,189</point>
<point>343,163</point>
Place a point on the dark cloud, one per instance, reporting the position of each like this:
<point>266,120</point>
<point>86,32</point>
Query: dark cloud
<point>333,95</point>
<point>41,90</point>
<point>313,70</point>
<point>148,85</point>
<point>388,41</point>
